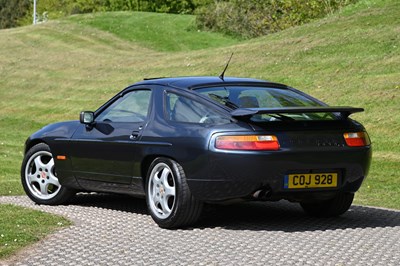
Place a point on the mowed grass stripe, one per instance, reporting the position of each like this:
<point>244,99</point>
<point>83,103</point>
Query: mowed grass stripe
<point>162,32</point>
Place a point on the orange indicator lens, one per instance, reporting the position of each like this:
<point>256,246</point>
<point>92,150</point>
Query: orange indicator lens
<point>61,157</point>
<point>357,139</point>
<point>251,143</point>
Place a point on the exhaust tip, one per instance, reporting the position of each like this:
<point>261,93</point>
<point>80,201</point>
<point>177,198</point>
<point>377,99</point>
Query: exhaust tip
<point>262,194</point>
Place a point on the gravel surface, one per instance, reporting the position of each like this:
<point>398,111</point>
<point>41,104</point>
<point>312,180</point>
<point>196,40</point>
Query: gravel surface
<point>117,230</point>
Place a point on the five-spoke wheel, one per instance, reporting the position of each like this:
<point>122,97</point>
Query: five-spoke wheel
<point>161,190</point>
<point>39,178</point>
<point>168,197</point>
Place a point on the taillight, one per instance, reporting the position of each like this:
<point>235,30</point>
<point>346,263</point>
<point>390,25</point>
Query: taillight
<point>357,139</point>
<point>250,143</point>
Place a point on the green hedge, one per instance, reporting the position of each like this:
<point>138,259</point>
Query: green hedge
<point>245,18</point>
<point>252,18</point>
<point>19,12</point>
<point>69,7</point>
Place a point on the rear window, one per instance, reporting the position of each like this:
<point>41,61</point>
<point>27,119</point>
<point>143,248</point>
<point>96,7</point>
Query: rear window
<point>264,97</point>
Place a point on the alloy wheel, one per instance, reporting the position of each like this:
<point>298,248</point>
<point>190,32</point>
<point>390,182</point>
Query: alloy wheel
<point>40,176</point>
<point>161,190</point>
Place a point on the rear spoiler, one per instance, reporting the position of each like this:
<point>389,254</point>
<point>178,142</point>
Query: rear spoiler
<point>345,111</point>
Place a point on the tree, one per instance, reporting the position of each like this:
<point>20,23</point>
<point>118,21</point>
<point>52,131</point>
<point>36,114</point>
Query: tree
<point>12,11</point>
<point>253,18</point>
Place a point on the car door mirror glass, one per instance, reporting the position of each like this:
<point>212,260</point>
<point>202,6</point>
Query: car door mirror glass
<point>86,117</point>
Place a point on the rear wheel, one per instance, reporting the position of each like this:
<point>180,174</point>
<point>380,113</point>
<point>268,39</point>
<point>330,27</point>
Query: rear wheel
<point>168,197</point>
<point>329,208</point>
<point>39,178</point>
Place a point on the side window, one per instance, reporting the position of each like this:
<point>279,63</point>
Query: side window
<point>132,107</point>
<point>183,109</point>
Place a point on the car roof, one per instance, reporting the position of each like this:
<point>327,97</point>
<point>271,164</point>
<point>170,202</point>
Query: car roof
<point>194,82</point>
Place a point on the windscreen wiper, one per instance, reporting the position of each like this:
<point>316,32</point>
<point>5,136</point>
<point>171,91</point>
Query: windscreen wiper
<point>224,100</point>
<point>281,117</point>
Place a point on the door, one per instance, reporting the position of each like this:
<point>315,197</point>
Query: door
<point>107,150</point>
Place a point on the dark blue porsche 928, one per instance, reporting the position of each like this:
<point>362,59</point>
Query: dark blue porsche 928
<point>181,142</point>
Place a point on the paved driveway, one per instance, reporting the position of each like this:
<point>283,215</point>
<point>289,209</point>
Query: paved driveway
<point>116,230</point>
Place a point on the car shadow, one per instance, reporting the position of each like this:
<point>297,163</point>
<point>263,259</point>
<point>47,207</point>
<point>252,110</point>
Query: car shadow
<point>115,202</point>
<point>269,216</point>
<point>289,217</point>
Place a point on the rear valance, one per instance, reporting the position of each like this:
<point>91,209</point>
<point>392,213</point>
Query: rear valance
<point>345,111</point>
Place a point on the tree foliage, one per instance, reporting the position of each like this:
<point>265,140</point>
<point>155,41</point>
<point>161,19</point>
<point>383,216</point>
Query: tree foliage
<point>69,7</point>
<point>245,18</point>
<point>164,6</point>
<point>252,18</point>
<point>12,11</point>
<point>19,12</point>
<point>16,12</point>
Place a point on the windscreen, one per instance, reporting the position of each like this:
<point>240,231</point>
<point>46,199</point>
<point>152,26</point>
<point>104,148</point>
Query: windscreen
<point>265,97</point>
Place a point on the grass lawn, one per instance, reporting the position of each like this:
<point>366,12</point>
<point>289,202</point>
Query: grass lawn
<point>52,71</point>
<point>169,33</point>
<point>21,227</point>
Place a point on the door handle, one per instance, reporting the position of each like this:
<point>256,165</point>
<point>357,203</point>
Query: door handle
<point>134,135</point>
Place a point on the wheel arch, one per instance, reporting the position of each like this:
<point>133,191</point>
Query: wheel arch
<point>33,142</point>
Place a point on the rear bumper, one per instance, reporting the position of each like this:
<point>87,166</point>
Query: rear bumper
<point>237,175</point>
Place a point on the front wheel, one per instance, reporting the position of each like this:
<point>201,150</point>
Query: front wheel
<point>168,197</point>
<point>329,208</point>
<point>39,178</point>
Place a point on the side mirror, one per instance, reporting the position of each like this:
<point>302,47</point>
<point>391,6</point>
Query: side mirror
<point>86,117</point>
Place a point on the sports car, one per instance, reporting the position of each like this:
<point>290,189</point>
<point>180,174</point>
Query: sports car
<point>186,141</point>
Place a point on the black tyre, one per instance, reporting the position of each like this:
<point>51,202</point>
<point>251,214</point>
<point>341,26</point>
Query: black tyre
<point>39,178</point>
<point>168,197</point>
<point>329,208</point>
